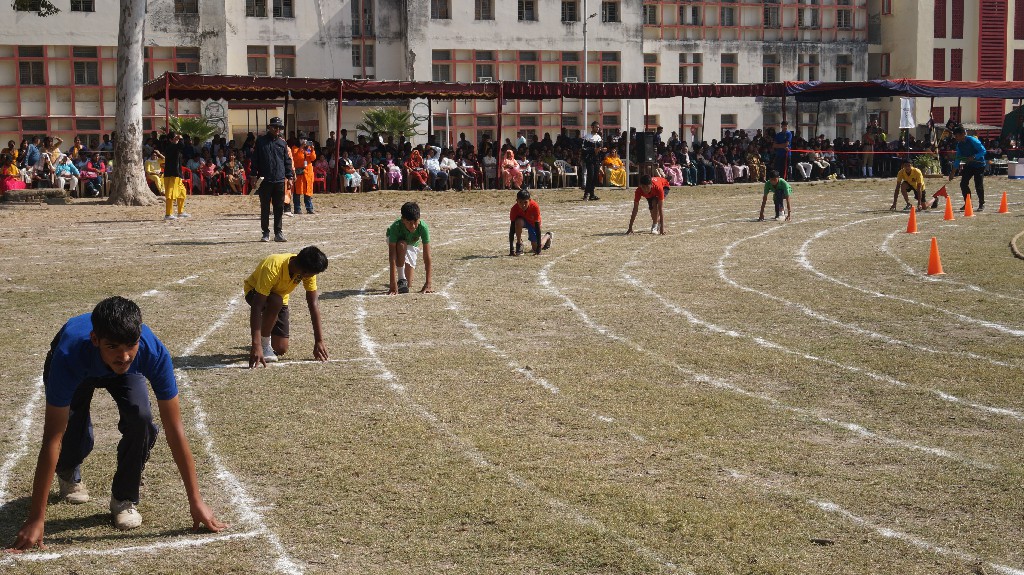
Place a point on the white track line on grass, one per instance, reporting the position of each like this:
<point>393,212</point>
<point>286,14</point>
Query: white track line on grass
<point>276,364</point>
<point>238,491</point>
<point>720,383</point>
<point>21,443</point>
<point>720,266</point>
<point>696,320</point>
<point>887,250</point>
<point>805,262</point>
<point>880,530</point>
<point>473,454</point>
<point>176,544</point>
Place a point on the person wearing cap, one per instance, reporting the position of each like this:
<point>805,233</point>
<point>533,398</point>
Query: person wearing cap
<point>970,162</point>
<point>654,191</point>
<point>173,149</point>
<point>591,147</point>
<point>909,178</point>
<point>271,161</point>
<point>781,145</point>
<point>303,157</point>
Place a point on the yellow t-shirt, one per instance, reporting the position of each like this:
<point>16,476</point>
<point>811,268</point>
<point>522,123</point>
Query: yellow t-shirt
<point>915,179</point>
<point>272,276</point>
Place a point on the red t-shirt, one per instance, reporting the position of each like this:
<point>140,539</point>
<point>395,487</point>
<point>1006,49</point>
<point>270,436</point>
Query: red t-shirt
<point>531,214</point>
<point>658,186</point>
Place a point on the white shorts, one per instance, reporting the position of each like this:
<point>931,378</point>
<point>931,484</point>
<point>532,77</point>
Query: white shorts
<point>412,254</point>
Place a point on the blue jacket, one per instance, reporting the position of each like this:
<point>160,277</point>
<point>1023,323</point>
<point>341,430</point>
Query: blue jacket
<point>970,151</point>
<point>66,168</point>
<point>270,159</point>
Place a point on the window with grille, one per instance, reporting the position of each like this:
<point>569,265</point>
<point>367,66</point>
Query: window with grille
<point>527,73</point>
<point>730,64</point>
<point>958,19</point>
<point>370,55</point>
<point>33,126</point>
<point>187,60</point>
<point>691,15</point>
<point>357,56</point>
<point>1018,20</point>
<point>771,16</point>
<point>284,61</point>
<point>528,56</point>
<point>30,73</point>
<point>87,74</point>
<point>884,65</point>
<point>650,15</point>
<point>727,16</point>
<point>88,125</point>
<point>256,60</point>
<point>956,65</point>
<point>485,55</point>
<point>485,121</point>
<point>808,67</point>
<point>728,121</point>
<point>528,121</point>
<point>570,74</point>
<point>650,74</point>
<point>844,19</point>
<point>610,12</point>
<point>30,51</point>
<point>84,52</point>
<point>770,68</point>
<point>570,120</point>
<point>570,11</point>
<point>485,73</point>
<point>256,8</point>
<point>484,10</point>
<point>527,10</point>
<point>441,72</point>
<point>689,68</point>
<point>284,9</point>
<point>844,68</point>
<point>938,64</point>
<point>808,17</point>
<point>29,6</point>
<point>570,56</point>
<point>609,73</point>
<point>83,5</point>
<point>441,55</point>
<point>440,9</point>
<point>609,56</point>
<point>186,6</point>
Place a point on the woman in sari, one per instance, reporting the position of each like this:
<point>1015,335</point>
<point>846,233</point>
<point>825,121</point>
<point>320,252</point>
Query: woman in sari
<point>510,173</point>
<point>614,169</point>
<point>417,172</point>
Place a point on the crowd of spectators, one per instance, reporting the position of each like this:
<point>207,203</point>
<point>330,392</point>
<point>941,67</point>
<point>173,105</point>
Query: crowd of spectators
<point>370,162</point>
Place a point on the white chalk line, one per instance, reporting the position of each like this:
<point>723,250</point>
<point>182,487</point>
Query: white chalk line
<point>720,383</point>
<point>21,443</point>
<point>880,530</point>
<point>720,266</point>
<point>805,262</point>
<point>696,320</point>
<point>276,364</point>
<point>176,544</point>
<point>964,286</point>
<point>472,453</point>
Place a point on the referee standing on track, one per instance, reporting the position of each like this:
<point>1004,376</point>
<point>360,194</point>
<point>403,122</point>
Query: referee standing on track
<point>272,161</point>
<point>591,145</point>
<point>970,159</point>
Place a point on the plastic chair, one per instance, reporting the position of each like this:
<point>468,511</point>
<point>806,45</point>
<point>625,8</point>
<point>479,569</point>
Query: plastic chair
<point>186,179</point>
<point>319,181</point>
<point>565,170</point>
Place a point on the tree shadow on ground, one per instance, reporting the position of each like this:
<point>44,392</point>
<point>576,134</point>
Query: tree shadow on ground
<point>347,293</point>
<point>14,512</point>
<point>213,360</point>
<point>476,257</point>
<point>200,243</point>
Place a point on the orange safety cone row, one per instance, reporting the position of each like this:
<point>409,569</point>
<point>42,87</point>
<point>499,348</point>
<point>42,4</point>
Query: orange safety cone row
<point>968,209</point>
<point>1003,209</point>
<point>934,261</point>
<point>912,222</point>
<point>949,211</point>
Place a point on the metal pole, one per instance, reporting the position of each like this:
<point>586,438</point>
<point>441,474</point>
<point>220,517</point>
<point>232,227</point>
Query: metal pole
<point>586,74</point>
<point>497,139</point>
<point>628,102</point>
<point>703,118</point>
<point>647,104</point>
<point>797,114</point>
<point>167,101</point>
<point>430,118</point>
<point>337,139</point>
<point>682,118</point>
<point>816,115</point>
<point>287,96</point>
<point>783,107</point>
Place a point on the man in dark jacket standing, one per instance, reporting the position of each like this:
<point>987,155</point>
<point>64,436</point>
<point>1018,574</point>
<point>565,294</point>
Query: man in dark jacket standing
<point>271,160</point>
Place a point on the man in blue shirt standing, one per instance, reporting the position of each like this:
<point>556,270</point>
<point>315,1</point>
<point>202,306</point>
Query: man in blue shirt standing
<point>970,160</point>
<point>108,349</point>
<point>781,145</point>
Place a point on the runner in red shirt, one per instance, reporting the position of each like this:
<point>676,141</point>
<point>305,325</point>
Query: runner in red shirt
<point>525,213</point>
<point>654,189</point>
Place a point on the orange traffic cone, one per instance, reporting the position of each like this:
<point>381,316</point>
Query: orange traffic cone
<point>1003,209</point>
<point>934,262</point>
<point>949,211</point>
<point>968,210</point>
<point>939,194</point>
<point>912,223</point>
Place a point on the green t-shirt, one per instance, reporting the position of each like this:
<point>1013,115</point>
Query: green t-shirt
<point>397,232</point>
<point>782,189</point>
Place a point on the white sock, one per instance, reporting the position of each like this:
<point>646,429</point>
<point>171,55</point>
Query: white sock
<point>401,272</point>
<point>265,341</point>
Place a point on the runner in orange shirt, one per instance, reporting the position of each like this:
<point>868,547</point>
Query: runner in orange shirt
<point>654,190</point>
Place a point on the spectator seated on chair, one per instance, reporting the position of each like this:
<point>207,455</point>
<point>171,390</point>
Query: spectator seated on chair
<point>393,171</point>
<point>511,175</point>
<point>350,175</point>
<point>438,178</point>
<point>416,172</point>
<point>65,172</point>
<point>614,169</point>
<point>543,174</point>
<point>10,175</point>
<point>234,172</point>
<point>451,170</point>
<point>93,175</point>
<point>209,172</point>
<point>193,163</point>
<point>42,175</point>
<point>155,171</point>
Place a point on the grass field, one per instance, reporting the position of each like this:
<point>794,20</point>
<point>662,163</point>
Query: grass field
<point>734,397</point>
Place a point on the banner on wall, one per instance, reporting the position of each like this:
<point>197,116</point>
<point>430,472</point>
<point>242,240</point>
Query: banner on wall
<point>907,113</point>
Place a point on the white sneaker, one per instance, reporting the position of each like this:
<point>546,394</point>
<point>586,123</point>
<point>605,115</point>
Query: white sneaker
<point>125,515</point>
<point>184,215</point>
<point>654,229</point>
<point>268,354</point>
<point>170,217</point>
<point>289,213</point>
<point>75,493</point>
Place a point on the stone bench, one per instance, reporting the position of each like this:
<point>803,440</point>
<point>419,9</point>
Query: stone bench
<point>53,196</point>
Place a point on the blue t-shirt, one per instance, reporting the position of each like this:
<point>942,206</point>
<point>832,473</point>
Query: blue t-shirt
<point>76,359</point>
<point>783,137</point>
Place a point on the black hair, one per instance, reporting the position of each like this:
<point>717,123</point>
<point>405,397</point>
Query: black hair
<point>906,161</point>
<point>523,194</point>
<point>117,319</point>
<point>959,130</point>
<point>645,180</point>
<point>171,134</point>
<point>312,260</point>
<point>772,174</point>
<point>410,211</point>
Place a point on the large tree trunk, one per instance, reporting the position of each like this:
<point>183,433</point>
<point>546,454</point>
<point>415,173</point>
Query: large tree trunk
<point>128,185</point>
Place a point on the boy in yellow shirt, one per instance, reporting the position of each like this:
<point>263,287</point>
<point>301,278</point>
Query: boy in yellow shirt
<point>267,291</point>
<point>909,178</point>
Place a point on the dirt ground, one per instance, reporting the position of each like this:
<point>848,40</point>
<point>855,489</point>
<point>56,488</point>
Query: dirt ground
<point>734,397</point>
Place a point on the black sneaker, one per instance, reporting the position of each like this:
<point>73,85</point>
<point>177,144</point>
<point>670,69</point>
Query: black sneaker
<point>266,237</point>
<point>594,198</point>
<point>547,242</point>
<point>519,248</point>
<point>279,238</point>
<point>980,207</point>
<point>403,286</point>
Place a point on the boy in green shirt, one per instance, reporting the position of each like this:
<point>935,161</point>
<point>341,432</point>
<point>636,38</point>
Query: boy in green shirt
<point>780,190</point>
<point>403,250</point>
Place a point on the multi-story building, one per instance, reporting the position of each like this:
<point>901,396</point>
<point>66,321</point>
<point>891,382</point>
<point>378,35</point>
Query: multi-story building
<point>57,73</point>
